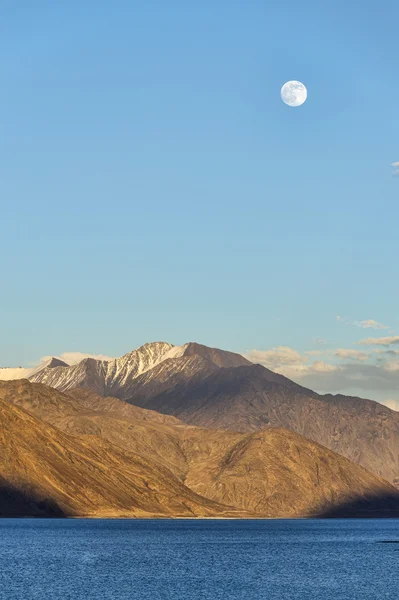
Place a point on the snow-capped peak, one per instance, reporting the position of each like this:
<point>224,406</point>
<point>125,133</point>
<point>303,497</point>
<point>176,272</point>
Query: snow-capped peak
<point>139,361</point>
<point>117,376</point>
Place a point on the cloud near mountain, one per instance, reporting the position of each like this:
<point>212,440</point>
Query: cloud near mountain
<point>374,373</point>
<point>69,358</point>
<point>277,357</point>
<point>351,354</point>
<point>394,404</point>
<point>73,358</point>
<point>289,362</point>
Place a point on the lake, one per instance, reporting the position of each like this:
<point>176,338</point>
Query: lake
<point>186,559</point>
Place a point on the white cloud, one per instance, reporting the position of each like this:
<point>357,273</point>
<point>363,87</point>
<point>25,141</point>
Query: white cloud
<point>374,381</point>
<point>320,366</point>
<point>395,166</point>
<point>351,354</point>
<point>276,357</point>
<point>289,362</point>
<point>377,379</point>
<point>384,341</point>
<point>394,404</point>
<point>371,324</point>
<point>365,324</point>
<point>11,373</point>
<point>72,358</point>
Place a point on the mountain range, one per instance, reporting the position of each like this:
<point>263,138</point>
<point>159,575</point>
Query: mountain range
<point>216,389</point>
<point>190,431</point>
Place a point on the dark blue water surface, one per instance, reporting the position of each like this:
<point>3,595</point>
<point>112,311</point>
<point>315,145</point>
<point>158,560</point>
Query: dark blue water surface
<point>157,559</point>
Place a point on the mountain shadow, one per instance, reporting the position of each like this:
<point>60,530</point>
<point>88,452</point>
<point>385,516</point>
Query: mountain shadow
<point>15,502</point>
<point>368,507</point>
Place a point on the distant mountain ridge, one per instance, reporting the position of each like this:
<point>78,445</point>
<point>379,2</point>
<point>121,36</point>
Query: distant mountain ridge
<point>114,377</point>
<point>216,389</point>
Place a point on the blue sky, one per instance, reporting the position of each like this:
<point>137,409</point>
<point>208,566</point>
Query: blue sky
<point>153,186</point>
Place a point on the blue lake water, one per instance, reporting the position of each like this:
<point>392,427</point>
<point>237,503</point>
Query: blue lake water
<point>159,559</point>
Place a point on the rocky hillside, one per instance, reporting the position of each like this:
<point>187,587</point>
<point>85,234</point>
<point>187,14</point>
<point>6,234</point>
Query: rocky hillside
<point>250,398</point>
<point>44,472</point>
<point>91,455</point>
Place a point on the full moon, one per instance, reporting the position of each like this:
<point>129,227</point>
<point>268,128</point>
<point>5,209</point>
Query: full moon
<point>294,93</point>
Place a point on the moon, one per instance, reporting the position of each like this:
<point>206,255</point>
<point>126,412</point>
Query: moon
<point>294,93</point>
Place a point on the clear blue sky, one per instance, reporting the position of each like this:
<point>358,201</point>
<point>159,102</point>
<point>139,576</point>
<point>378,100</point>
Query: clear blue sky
<point>154,186</point>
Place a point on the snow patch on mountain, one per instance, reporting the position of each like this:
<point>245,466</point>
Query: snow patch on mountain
<point>108,376</point>
<point>156,361</point>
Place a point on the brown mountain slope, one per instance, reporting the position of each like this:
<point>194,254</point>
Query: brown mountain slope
<point>90,401</point>
<point>38,399</point>
<point>82,412</point>
<point>48,403</point>
<point>271,473</point>
<point>279,473</point>
<point>250,398</point>
<point>45,471</point>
